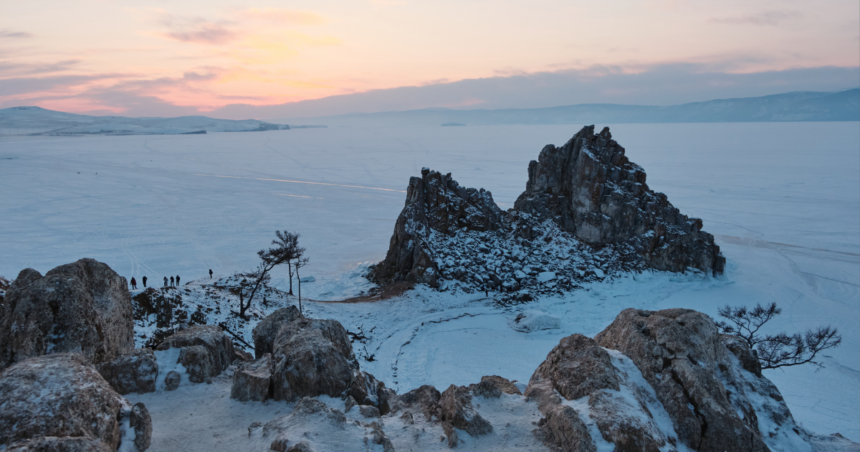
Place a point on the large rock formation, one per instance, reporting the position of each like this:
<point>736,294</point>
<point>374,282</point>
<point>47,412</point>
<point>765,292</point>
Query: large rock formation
<point>60,402</point>
<point>312,357</point>
<point>581,198</point>
<point>434,203</point>
<point>654,380</point>
<point>83,307</point>
<point>593,191</point>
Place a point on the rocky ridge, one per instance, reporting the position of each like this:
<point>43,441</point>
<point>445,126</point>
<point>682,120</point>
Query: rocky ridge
<point>586,214</point>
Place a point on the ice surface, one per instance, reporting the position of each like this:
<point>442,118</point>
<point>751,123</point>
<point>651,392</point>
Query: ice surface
<point>782,199</point>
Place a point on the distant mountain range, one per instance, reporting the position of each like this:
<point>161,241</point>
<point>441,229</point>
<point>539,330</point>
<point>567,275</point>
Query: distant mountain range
<point>39,121</point>
<point>795,106</point>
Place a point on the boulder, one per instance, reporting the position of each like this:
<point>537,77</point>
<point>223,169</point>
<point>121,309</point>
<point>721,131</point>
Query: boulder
<point>198,364</point>
<point>367,390</point>
<point>49,400</point>
<point>368,411</point>
<point>212,338</point>
<point>312,357</point>
<point>456,409</point>
<point>253,380</point>
<point>266,331</point>
<point>132,372</point>
<point>83,307</point>
<point>424,399</point>
<point>172,380</point>
<point>590,188</point>
<point>681,355</point>
<point>141,422</point>
<point>576,367</point>
<point>493,386</point>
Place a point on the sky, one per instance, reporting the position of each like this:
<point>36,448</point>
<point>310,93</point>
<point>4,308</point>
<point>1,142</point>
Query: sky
<point>238,59</point>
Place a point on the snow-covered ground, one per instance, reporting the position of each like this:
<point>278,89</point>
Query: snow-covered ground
<point>782,199</point>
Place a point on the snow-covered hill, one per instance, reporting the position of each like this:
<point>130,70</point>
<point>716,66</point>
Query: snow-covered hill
<point>39,121</point>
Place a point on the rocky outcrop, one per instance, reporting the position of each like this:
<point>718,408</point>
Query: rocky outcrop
<point>312,357</point>
<point>455,408</point>
<point>581,198</point>
<point>205,351</point>
<point>655,381</point>
<point>266,331</point>
<point>681,355</point>
<point>83,307</point>
<point>132,372</point>
<point>493,386</point>
<point>367,390</point>
<point>60,400</point>
<point>253,380</point>
<point>434,203</point>
<point>592,190</point>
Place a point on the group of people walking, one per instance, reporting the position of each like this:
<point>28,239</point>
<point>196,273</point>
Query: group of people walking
<point>173,282</point>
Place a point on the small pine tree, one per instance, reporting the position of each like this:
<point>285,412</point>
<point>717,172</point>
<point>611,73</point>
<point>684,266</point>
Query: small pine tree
<point>781,349</point>
<point>286,249</point>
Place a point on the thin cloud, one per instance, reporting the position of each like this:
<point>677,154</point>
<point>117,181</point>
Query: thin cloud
<point>765,18</point>
<point>6,33</point>
<point>198,30</point>
<point>281,16</point>
<point>11,69</point>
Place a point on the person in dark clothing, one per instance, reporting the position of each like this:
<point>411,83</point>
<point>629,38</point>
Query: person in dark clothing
<point>177,280</point>
<point>165,281</point>
<point>133,283</point>
<point>210,273</point>
<point>144,281</point>
<point>172,282</point>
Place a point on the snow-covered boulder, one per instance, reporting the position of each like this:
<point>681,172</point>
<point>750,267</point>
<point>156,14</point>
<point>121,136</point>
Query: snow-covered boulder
<point>83,307</point>
<point>253,380</point>
<point>534,320</point>
<point>367,390</point>
<point>132,372</point>
<point>49,400</point>
<point>455,407</point>
<point>312,357</point>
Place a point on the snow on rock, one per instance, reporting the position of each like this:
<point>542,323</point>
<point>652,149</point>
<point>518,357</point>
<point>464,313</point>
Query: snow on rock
<point>534,320</point>
<point>586,213</point>
<point>83,307</point>
<point>49,400</point>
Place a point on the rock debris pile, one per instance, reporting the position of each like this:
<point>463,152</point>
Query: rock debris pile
<point>586,214</point>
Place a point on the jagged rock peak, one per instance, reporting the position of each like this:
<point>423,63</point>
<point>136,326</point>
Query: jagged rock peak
<point>590,188</point>
<point>434,203</point>
<point>582,198</point>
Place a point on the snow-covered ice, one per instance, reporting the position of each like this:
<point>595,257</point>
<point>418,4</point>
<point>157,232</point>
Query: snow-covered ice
<point>783,200</point>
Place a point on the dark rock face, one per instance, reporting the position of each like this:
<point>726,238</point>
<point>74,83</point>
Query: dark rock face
<point>367,390</point>
<point>577,366</point>
<point>312,357</point>
<point>50,400</point>
<point>172,380</point>
<point>83,307</point>
<point>133,372</point>
<point>587,189</point>
<point>253,380</point>
<point>592,190</point>
<point>493,386</point>
<point>439,203</point>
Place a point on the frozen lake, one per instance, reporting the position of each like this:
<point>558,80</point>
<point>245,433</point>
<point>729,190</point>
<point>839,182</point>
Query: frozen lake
<point>783,200</point>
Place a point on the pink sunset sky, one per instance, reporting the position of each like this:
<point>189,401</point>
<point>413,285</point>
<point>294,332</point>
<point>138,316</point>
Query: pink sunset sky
<point>196,57</point>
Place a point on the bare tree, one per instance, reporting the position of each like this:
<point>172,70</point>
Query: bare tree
<point>299,263</point>
<point>778,350</point>
<point>286,248</point>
